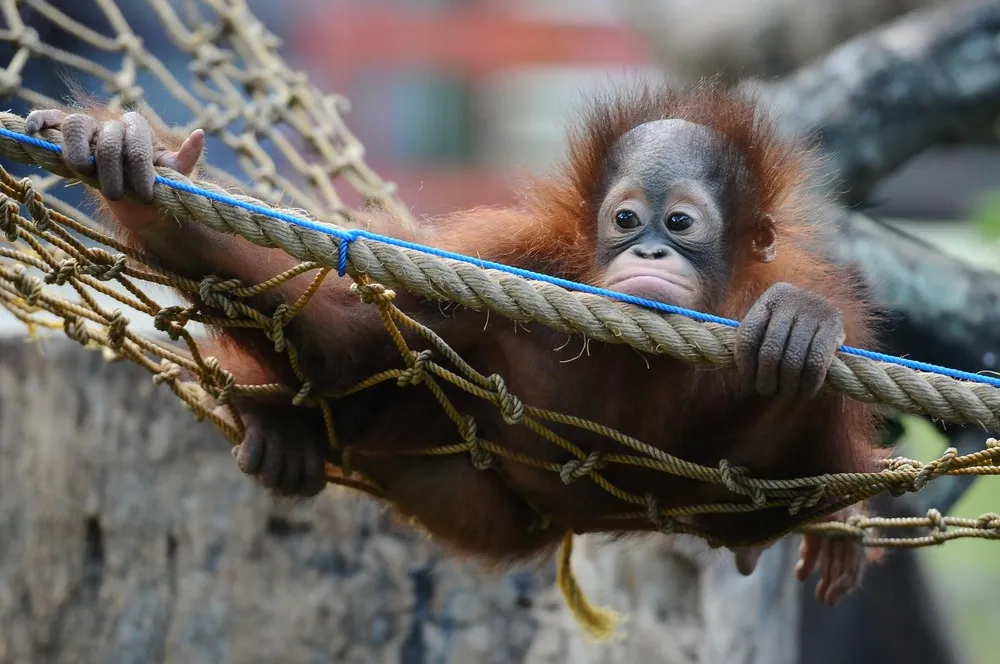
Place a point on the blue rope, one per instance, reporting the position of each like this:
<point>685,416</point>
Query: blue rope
<point>350,235</point>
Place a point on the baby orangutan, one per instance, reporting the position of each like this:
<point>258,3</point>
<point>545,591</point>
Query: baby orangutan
<point>684,196</point>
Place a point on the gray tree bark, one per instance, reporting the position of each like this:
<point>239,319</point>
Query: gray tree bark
<point>128,535</point>
<point>875,102</point>
<point>754,37</point>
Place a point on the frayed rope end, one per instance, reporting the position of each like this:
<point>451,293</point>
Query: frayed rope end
<point>599,622</point>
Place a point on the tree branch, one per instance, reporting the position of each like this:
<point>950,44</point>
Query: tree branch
<point>753,37</point>
<point>929,78</point>
<point>876,102</point>
<point>940,309</point>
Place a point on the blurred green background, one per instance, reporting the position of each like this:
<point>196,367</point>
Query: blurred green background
<point>965,573</point>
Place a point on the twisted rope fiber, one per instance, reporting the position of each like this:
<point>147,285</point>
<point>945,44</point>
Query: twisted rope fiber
<point>904,475</point>
<point>694,337</point>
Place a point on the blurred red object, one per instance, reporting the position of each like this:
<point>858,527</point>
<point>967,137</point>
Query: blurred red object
<point>472,42</point>
<point>345,42</point>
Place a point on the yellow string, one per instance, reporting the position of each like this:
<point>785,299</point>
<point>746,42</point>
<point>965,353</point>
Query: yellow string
<point>600,622</point>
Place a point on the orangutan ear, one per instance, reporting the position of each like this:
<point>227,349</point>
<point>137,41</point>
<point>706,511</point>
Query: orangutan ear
<point>765,240</point>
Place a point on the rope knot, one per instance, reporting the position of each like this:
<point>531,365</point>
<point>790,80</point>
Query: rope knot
<point>168,373</point>
<point>117,329</point>
<point>35,204</point>
<point>258,118</point>
<point>207,57</point>
<point>226,390</point>
<point>734,477</point>
<point>281,317</point>
<point>988,521</point>
<point>303,394</point>
<point>10,211</point>
<point>665,524</point>
<point>214,119</point>
<point>130,44</point>
<point>63,272</point>
<point>102,271</point>
<point>76,329</point>
<point>482,458</point>
<point>28,38</point>
<point>27,285</point>
<point>510,406</point>
<point>212,291</point>
<point>807,500</point>
<point>937,525</point>
<point>414,373</point>
<point>901,463</point>
<point>164,321</point>
<point>222,381</point>
<point>373,293</point>
<point>934,469</point>
<point>575,469</point>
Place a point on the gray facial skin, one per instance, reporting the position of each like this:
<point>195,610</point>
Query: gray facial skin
<point>660,227</point>
<point>658,153</point>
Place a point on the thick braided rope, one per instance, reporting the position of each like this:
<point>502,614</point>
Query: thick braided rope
<point>517,298</point>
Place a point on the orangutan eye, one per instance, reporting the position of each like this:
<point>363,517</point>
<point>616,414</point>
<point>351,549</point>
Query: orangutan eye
<point>627,220</point>
<point>678,221</point>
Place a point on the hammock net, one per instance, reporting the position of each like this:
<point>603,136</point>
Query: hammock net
<point>301,172</point>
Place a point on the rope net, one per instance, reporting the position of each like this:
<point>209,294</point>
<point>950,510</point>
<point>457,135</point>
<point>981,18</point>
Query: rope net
<point>59,270</point>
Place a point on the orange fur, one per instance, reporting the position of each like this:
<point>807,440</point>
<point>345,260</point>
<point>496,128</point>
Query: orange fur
<point>693,412</point>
